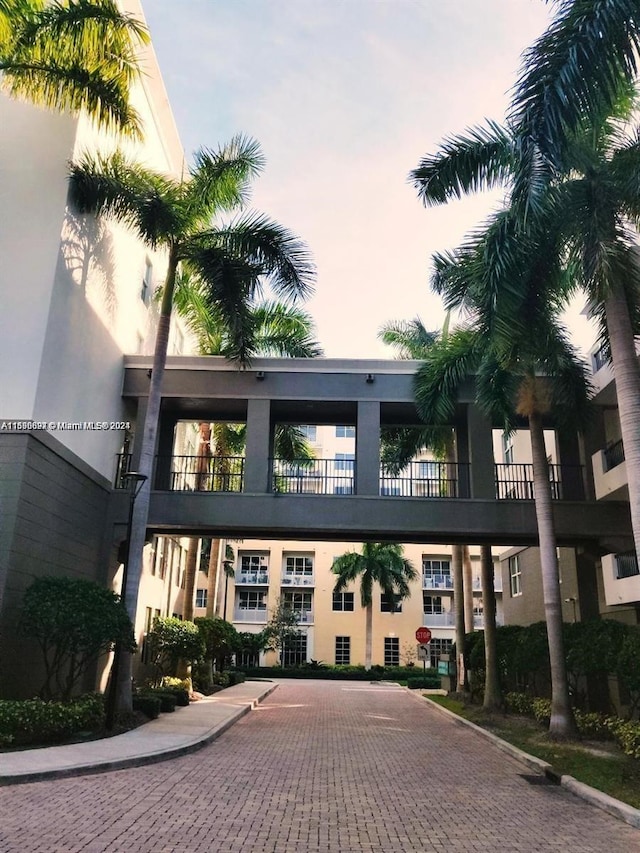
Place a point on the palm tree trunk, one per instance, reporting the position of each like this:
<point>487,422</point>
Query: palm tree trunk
<point>458,604</point>
<point>562,724</point>
<point>627,375</point>
<point>212,579</point>
<point>467,575</point>
<point>145,466</point>
<point>492,694</point>
<point>368,635</point>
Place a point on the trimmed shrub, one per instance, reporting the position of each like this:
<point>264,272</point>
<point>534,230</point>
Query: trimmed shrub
<point>626,733</point>
<point>236,677</point>
<point>424,683</point>
<point>519,703</point>
<point>33,721</point>
<point>148,705</point>
<point>167,698</point>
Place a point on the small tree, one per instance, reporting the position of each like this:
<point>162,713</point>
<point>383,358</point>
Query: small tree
<point>252,644</point>
<point>219,638</point>
<point>282,628</point>
<point>170,641</point>
<point>74,622</point>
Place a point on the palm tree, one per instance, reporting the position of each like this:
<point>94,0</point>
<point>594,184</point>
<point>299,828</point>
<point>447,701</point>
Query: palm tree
<point>72,55</point>
<point>379,563</point>
<point>537,374</point>
<point>229,259</point>
<point>572,171</point>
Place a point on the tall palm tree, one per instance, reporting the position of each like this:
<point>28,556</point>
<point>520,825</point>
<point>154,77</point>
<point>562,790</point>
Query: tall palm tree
<point>537,374</point>
<point>230,259</point>
<point>379,563</point>
<point>72,55</point>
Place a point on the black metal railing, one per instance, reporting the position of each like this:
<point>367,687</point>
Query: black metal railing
<point>200,473</point>
<point>123,466</point>
<point>599,359</point>
<point>428,480</point>
<point>314,477</point>
<point>626,565</point>
<point>613,455</point>
<point>515,482</point>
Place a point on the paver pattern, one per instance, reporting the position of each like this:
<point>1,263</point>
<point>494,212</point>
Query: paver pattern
<point>319,767</point>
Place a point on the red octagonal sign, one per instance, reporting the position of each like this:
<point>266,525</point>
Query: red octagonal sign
<point>423,635</point>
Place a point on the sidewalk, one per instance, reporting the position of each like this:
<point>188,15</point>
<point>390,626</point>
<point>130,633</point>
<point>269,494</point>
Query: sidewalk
<point>185,730</point>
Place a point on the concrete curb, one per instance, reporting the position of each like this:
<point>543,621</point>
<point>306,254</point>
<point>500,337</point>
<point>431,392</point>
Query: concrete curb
<point>603,801</point>
<point>190,745</point>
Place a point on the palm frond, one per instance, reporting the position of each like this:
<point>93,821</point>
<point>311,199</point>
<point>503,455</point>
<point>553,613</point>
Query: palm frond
<point>401,445</point>
<point>285,330</point>
<point>481,158</point>
<point>410,338</point>
<point>447,365</point>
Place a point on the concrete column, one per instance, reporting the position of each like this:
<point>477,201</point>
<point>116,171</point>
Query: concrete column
<point>164,451</point>
<point>480,439</point>
<point>368,448</point>
<point>462,458</point>
<point>570,459</point>
<point>594,440</point>
<point>136,448</point>
<point>257,472</point>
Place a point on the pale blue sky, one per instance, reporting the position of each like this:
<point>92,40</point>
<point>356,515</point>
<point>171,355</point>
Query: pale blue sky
<point>345,96</point>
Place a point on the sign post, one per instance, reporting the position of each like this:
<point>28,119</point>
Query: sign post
<point>423,636</point>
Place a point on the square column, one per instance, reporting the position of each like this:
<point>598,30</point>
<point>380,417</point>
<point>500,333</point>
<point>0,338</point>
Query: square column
<point>257,472</point>
<point>480,454</point>
<point>368,448</point>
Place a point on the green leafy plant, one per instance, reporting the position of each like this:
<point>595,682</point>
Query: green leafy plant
<point>170,641</point>
<point>34,721</point>
<point>73,622</point>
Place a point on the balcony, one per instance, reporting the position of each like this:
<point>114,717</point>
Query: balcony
<point>446,619</point>
<point>252,579</point>
<point>246,614</point>
<point>428,480</point>
<point>514,482</point>
<point>446,582</point>
<point>297,580</point>
<point>610,472</point>
<point>621,578</point>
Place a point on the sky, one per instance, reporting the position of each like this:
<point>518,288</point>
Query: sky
<point>346,97</point>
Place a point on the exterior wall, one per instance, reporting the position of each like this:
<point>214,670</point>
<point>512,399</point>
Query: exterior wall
<point>55,508</point>
<point>527,606</point>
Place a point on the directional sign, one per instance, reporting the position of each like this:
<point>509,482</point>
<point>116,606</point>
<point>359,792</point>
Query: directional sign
<point>423,635</point>
<point>423,653</point>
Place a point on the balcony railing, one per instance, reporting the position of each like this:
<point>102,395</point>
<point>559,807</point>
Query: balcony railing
<point>613,455</point>
<point>297,580</point>
<point>445,619</point>
<point>314,477</point>
<point>428,480</point>
<point>190,473</point>
<point>515,482</point>
<point>626,565</point>
<point>250,614</point>
<point>252,578</point>
<point>437,582</point>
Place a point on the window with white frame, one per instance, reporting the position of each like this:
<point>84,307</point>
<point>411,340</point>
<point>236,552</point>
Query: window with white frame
<point>255,566</point>
<point>438,646</point>
<point>298,565</point>
<point>299,602</point>
<point>251,599</point>
<point>201,598</point>
<point>342,601</point>
<point>294,652</point>
<point>438,572</point>
<point>390,604</point>
<point>515,576</point>
<point>432,603</point>
<point>391,651</point>
<point>309,432</point>
<point>343,651</point>
<point>345,431</point>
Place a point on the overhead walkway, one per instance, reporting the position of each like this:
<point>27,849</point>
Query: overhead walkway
<point>468,500</point>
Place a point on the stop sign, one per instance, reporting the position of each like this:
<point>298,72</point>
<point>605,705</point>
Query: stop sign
<point>423,635</point>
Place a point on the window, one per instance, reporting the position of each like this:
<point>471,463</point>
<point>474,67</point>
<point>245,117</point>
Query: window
<point>343,601</point>
<point>254,568</point>
<point>148,619</point>
<point>429,470</point>
<point>309,432</point>
<point>300,603</point>
<point>251,599</point>
<point>294,652</point>
<point>147,282</point>
<point>343,490</point>
<point>390,490</point>
<point>507,448</point>
<point>201,598</point>
<point>343,651</point>
<point>298,566</point>
<point>437,573</point>
<point>386,604</point>
<point>626,565</point>
<point>515,576</point>
<point>345,432</point>
<point>344,461</point>
<point>247,659</point>
<point>432,603</point>
<point>438,647</point>
<point>391,651</point>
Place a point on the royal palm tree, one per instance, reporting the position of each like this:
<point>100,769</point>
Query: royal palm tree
<point>539,374</point>
<point>72,55</point>
<point>379,563</point>
<point>230,260</point>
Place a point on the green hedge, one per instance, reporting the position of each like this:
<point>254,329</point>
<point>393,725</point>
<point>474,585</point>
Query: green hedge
<point>351,673</point>
<point>626,733</point>
<point>423,683</point>
<point>148,705</point>
<point>33,721</point>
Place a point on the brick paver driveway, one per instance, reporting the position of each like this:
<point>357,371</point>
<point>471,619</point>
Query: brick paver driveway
<point>320,766</point>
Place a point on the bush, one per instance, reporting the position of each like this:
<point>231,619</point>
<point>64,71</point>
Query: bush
<point>626,733</point>
<point>236,677</point>
<point>519,703</point>
<point>147,704</point>
<point>168,700</point>
<point>424,683</point>
<point>33,721</point>
<point>221,679</point>
<point>171,640</point>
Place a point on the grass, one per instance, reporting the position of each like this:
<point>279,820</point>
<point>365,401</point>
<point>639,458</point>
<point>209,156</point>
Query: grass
<point>597,763</point>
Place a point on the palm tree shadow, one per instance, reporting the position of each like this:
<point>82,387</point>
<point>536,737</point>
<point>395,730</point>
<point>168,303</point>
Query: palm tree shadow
<point>87,254</point>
